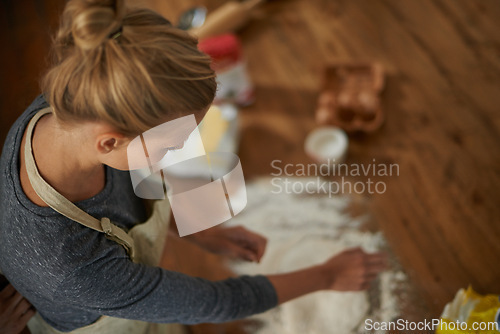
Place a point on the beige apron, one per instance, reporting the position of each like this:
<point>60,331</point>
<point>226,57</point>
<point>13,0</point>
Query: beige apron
<point>144,244</point>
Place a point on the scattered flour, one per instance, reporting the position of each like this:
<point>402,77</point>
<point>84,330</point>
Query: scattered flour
<point>304,230</point>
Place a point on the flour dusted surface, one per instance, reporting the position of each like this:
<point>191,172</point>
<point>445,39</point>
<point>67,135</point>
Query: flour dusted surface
<point>307,229</point>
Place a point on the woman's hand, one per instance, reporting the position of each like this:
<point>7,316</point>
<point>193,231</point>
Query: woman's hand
<point>235,242</point>
<point>15,311</point>
<point>353,269</point>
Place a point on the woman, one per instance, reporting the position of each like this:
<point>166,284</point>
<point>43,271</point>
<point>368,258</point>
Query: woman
<point>70,238</point>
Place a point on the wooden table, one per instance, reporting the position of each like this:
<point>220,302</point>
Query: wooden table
<point>441,214</point>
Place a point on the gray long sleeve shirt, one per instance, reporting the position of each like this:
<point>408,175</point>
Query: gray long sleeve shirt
<point>73,274</point>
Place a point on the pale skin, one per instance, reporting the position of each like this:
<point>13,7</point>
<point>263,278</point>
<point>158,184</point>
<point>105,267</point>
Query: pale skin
<point>71,158</point>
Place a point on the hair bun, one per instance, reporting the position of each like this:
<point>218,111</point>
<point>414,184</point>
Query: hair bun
<point>92,21</point>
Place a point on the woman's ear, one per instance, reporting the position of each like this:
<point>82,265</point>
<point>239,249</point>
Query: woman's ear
<point>109,142</point>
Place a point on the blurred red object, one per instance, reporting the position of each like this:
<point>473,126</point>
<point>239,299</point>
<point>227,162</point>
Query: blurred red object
<point>228,63</point>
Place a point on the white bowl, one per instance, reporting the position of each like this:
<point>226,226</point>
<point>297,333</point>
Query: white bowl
<point>327,145</point>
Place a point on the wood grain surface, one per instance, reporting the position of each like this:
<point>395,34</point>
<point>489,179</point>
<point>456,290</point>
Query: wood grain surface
<point>441,215</point>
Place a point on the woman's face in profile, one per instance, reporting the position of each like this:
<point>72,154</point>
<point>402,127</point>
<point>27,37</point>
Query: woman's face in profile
<point>150,147</point>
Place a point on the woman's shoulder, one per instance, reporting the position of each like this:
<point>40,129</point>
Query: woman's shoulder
<point>115,196</point>
<point>17,129</point>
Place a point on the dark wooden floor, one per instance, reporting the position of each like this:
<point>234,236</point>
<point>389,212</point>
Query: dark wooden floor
<point>441,215</point>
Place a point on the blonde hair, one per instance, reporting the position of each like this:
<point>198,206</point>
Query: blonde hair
<point>127,67</point>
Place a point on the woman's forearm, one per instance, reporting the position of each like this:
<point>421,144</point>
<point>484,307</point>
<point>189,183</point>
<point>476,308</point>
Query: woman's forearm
<point>298,283</point>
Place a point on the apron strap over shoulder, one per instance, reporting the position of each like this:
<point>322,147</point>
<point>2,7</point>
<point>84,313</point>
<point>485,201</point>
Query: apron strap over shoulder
<point>61,204</point>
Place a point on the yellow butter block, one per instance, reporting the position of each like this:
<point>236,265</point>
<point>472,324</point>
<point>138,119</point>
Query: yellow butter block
<point>212,129</point>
